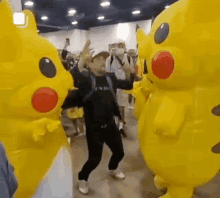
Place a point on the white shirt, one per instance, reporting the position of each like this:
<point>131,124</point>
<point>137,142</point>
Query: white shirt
<point>116,68</point>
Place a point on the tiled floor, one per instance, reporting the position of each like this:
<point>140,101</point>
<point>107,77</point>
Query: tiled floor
<point>139,179</point>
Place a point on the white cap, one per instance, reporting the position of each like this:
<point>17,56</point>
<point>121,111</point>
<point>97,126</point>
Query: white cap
<point>99,52</point>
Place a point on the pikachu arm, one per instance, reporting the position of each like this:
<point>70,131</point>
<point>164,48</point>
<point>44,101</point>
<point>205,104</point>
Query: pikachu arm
<point>139,103</point>
<point>40,127</point>
<point>141,87</point>
<point>169,118</point>
<point>129,91</point>
<point>141,94</point>
<point>136,86</point>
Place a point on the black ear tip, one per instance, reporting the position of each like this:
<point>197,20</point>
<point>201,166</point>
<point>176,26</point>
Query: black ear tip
<point>137,27</point>
<point>145,67</point>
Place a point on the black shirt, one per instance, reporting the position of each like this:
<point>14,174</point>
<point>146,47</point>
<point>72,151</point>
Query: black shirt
<point>68,64</point>
<point>100,106</point>
<point>64,54</point>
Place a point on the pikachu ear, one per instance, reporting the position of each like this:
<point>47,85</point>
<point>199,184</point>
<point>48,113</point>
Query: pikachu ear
<point>6,16</point>
<point>140,35</point>
<point>9,37</point>
<point>32,25</point>
<point>142,42</point>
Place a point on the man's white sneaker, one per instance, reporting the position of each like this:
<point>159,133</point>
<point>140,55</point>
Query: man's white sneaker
<point>83,187</point>
<point>117,174</point>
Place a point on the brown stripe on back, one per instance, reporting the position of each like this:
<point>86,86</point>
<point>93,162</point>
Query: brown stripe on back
<point>216,148</point>
<point>216,110</point>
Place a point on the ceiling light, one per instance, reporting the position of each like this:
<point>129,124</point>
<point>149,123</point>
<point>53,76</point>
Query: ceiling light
<point>72,11</point>
<point>29,3</point>
<point>74,22</point>
<point>167,7</point>
<point>101,17</point>
<point>105,4</point>
<point>44,18</point>
<point>136,12</point>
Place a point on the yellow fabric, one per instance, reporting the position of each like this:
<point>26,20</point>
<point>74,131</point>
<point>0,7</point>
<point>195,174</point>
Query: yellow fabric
<point>75,113</point>
<point>32,139</point>
<point>140,64</point>
<point>177,126</point>
<point>86,56</point>
<point>128,91</point>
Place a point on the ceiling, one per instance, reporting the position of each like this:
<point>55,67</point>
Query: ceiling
<point>87,12</point>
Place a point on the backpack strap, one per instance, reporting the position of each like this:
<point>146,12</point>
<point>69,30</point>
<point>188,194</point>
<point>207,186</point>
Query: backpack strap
<point>120,61</point>
<point>129,59</point>
<point>110,84</point>
<point>111,61</point>
<point>93,81</point>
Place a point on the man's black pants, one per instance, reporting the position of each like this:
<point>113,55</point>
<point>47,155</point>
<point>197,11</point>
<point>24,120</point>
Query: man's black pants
<point>96,136</point>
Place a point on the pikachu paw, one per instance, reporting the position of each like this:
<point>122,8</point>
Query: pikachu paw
<point>42,126</point>
<point>160,183</point>
<point>38,134</point>
<point>53,126</point>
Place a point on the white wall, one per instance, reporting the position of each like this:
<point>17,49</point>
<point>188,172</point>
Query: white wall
<point>77,39</point>
<point>104,35</point>
<point>100,37</point>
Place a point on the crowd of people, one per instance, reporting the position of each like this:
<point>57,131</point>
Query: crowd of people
<point>100,78</point>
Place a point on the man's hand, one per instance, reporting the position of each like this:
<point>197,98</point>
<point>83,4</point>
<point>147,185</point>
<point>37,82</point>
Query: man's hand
<point>128,69</point>
<point>66,45</point>
<point>86,50</point>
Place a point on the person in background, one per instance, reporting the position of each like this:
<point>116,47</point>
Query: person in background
<point>8,181</point>
<point>67,58</point>
<point>96,94</point>
<point>115,63</point>
<point>132,56</point>
<point>72,125</point>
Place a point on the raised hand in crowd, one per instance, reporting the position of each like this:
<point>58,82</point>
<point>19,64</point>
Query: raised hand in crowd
<point>86,55</point>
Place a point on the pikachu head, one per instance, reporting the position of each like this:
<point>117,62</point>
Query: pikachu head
<point>182,48</point>
<point>33,81</point>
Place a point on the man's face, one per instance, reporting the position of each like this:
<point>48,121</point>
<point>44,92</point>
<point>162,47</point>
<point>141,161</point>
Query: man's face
<point>99,62</point>
<point>132,53</point>
<point>121,46</point>
<point>114,49</point>
<point>68,56</point>
<point>120,49</point>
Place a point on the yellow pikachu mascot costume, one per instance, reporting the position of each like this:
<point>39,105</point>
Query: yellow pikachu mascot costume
<point>179,125</point>
<point>33,86</point>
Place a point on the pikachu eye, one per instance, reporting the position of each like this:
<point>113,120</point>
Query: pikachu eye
<point>47,68</point>
<point>161,33</point>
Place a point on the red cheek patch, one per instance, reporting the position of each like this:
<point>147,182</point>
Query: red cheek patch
<point>163,65</point>
<point>44,100</point>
